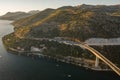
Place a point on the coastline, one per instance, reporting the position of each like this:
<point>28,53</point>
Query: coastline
<point>81,62</point>
<point>68,60</point>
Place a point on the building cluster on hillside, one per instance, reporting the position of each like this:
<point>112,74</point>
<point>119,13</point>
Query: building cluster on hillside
<point>39,49</point>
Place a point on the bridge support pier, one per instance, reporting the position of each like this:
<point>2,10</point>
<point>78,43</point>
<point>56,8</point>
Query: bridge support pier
<point>97,62</point>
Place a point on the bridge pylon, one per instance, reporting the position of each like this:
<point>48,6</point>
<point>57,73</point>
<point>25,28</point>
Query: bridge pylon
<point>97,62</point>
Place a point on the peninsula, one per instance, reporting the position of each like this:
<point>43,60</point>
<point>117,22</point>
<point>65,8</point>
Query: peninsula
<point>39,33</point>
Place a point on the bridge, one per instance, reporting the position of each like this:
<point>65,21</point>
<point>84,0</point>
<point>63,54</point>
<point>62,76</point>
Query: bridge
<point>95,52</point>
<point>85,46</point>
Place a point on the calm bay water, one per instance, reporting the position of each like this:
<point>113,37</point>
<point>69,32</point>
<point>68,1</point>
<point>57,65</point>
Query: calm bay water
<point>14,67</point>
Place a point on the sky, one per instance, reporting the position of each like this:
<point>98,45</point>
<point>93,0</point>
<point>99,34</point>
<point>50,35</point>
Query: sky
<point>27,5</point>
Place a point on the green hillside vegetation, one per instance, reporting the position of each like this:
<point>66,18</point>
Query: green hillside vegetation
<point>80,22</point>
<point>30,20</point>
<point>53,48</point>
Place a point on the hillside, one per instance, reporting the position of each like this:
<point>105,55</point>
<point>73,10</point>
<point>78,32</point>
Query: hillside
<point>17,15</point>
<point>82,22</point>
<point>30,20</point>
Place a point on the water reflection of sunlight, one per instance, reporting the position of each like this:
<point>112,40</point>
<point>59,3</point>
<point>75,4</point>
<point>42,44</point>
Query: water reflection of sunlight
<point>5,27</point>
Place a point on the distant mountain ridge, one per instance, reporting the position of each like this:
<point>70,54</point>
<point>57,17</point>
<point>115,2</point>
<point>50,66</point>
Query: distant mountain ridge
<point>33,11</point>
<point>17,15</point>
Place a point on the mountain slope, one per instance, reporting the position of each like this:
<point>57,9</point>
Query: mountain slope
<point>30,20</point>
<point>80,22</point>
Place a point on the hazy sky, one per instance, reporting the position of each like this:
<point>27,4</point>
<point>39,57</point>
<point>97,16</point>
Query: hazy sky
<point>27,5</point>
